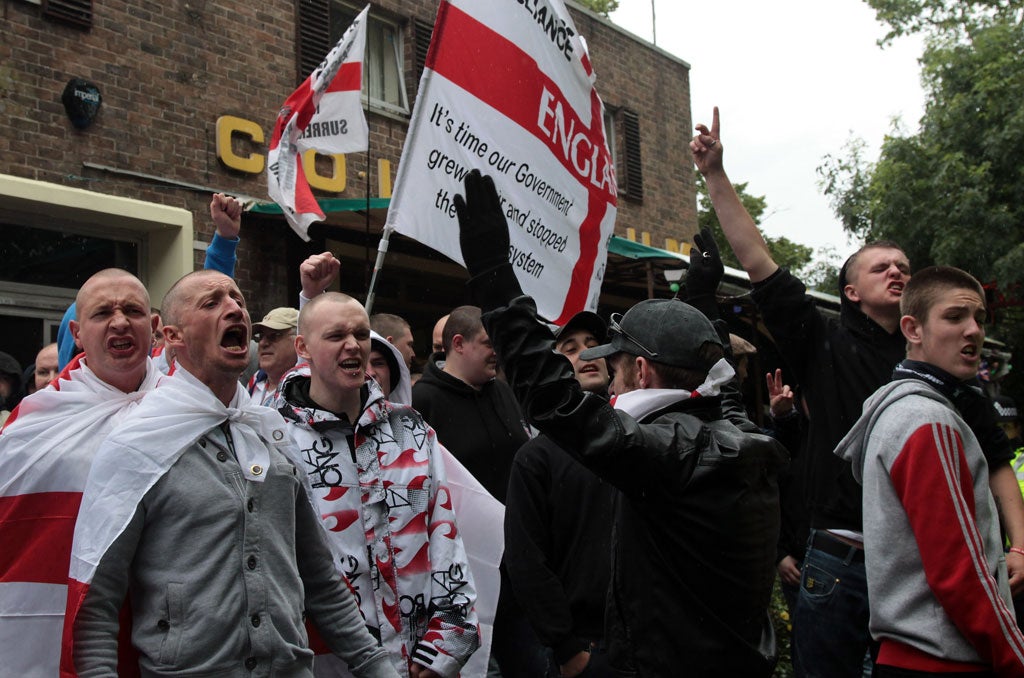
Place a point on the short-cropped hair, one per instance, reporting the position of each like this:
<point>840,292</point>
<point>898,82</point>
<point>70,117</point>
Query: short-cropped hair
<point>927,286</point>
<point>464,320</point>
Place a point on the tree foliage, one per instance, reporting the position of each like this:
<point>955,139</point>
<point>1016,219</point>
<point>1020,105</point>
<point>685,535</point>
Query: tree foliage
<point>949,19</point>
<point>792,255</point>
<point>954,192</point>
<point>602,7</point>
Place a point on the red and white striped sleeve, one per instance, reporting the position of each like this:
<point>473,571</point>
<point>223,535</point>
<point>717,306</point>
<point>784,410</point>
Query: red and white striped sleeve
<point>933,480</point>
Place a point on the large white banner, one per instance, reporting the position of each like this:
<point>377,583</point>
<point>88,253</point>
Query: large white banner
<point>508,89</point>
<point>324,114</point>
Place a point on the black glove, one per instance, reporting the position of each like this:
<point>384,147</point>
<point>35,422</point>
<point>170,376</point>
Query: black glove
<point>706,269</point>
<point>483,231</point>
<point>704,275</point>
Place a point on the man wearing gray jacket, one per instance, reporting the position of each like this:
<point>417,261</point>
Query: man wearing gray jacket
<point>194,512</point>
<point>936,575</point>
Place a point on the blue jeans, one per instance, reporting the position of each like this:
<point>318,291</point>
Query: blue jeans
<point>830,623</point>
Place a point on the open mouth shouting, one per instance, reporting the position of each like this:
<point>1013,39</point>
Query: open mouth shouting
<point>121,346</point>
<point>354,366</point>
<point>896,287</point>
<point>235,339</point>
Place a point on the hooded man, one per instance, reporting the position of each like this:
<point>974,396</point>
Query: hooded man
<point>375,474</point>
<point>937,581</point>
<point>558,528</point>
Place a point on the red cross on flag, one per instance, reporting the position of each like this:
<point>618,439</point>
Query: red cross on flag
<point>508,89</point>
<point>324,114</point>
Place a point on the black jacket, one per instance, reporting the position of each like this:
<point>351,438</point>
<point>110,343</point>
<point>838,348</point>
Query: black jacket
<point>558,528</point>
<point>838,365</point>
<point>696,527</point>
<point>482,428</point>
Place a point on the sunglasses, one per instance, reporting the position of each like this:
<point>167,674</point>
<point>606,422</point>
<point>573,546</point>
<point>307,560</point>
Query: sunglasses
<point>614,326</point>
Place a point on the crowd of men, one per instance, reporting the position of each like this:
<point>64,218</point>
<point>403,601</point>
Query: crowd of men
<point>168,507</point>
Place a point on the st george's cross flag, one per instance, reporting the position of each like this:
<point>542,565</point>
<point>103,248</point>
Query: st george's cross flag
<point>46,449</point>
<point>508,89</point>
<point>324,114</point>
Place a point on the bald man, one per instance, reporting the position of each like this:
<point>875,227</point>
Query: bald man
<point>437,336</point>
<point>369,457</point>
<point>212,537</point>
<point>46,450</point>
<point>46,367</point>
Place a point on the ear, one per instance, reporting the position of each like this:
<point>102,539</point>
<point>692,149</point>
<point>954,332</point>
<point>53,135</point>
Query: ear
<point>912,329</point>
<point>644,375</point>
<point>75,329</point>
<point>154,322</point>
<point>300,347</point>
<point>851,293</point>
<point>173,337</point>
<point>458,341</point>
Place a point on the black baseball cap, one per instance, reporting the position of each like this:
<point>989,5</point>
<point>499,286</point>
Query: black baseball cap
<point>666,331</point>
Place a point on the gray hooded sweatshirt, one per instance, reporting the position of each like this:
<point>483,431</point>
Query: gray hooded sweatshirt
<point>937,581</point>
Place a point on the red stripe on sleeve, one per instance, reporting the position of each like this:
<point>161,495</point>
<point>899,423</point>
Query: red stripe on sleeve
<point>934,483</point>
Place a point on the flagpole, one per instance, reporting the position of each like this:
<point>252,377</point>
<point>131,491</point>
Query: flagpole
<point>366,185</point>
<point>382,250</point>
<point>382,246</point>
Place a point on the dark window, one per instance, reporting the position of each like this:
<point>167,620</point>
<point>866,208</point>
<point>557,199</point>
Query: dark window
<point>633,182</point>
<point>55,258</point>
<point>75,12</point>
<point>424,31</point>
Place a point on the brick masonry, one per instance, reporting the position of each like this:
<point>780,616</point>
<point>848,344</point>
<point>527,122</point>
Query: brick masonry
<point>166,71</point>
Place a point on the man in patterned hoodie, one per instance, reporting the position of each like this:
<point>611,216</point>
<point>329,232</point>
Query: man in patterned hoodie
<point>375,475</point>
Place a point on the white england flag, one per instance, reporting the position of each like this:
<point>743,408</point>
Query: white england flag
<point>508,89</point>
<point>325,114</point>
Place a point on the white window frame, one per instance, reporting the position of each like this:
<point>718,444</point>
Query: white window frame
<point>373,69</point>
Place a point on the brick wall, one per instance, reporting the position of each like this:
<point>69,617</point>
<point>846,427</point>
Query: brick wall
<point>167,71</point>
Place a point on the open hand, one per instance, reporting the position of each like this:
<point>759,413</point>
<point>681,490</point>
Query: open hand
<point>483,231</point>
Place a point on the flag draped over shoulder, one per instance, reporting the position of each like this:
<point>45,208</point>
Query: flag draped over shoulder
<point>508,89</point>
<point>154,435</point>
<point>46,450</point>
<point>324,114</point>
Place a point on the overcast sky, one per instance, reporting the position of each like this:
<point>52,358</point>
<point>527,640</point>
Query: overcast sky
<point>793,80</point>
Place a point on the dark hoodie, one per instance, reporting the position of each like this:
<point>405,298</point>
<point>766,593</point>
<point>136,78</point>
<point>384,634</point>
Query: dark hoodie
<point>838,365</point>
<point>481,428</point>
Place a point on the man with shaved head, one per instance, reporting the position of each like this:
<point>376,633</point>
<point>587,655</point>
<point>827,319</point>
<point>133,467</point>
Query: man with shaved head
<point>46,368</point>
<point>376,472</point>
<point>46,451</point>
<point>209,534</point>
<point>395,329</point>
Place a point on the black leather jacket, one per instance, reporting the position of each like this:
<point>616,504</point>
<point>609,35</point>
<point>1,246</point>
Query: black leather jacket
<point>696,527</point>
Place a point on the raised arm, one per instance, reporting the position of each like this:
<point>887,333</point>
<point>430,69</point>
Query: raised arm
<point>226,214</point>
<point>739,228</point>
<point>316,274</point>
